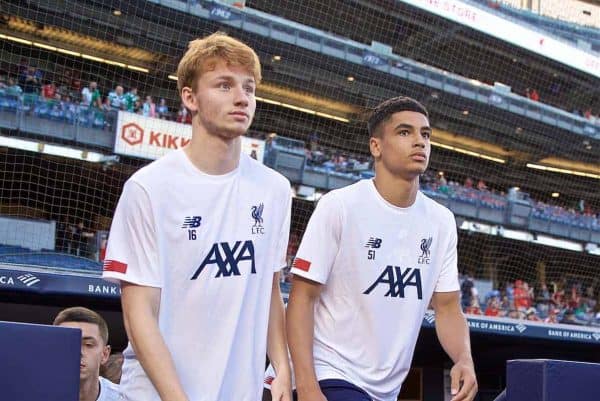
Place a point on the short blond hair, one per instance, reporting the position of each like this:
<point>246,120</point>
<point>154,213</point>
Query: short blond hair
<point>203,54</point>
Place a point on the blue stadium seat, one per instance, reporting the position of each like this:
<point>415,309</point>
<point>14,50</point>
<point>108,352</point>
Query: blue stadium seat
<point>23,256</point>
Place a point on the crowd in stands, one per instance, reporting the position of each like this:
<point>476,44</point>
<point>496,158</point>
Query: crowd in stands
<point>70,101</point>
<point>569,26</point>
<point>74,239</point>
<point>588,114</point>
<point>64,97</point>
<point>470,191</point>
<point>532,94</point>
<point>562,302</point>
<point>581,215</point>
<point>338,161</point>
<point>467,192</point>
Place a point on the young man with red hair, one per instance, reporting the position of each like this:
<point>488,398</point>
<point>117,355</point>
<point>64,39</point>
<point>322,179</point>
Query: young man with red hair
<point>197,241</point>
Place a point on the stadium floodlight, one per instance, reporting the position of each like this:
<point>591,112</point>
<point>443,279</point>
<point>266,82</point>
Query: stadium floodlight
<point>69,52</point>
<point>468,152</point>
<point>269,101</point>
<point>518,235</point>
<point>558,243</point>
<point>525,236</point>
<point>93,58</point>
<point>563,171</point>
<point>15,39</point>
<point>74,53</point>
<point>44,46</point>
<point>53,150</point>
<point>15,143</point>
<point>332,117</point>
<point>302,109</point>
<point>111,62</point>
<point>298,108</point>
<point>56,150</point>
<point>136,68</point>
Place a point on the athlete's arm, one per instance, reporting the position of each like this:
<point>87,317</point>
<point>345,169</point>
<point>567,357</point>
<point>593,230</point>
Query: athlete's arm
<point>281,387</point>
<point>300,328</point>
<point>453,332</point>
<point>140,314</point>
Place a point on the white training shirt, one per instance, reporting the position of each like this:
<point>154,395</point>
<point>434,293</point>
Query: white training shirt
<point>109,391</point>
<point>212,244</point>
<point>380,265</point>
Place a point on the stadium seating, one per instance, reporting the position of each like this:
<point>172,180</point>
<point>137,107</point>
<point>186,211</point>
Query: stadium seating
<point>565,30</point>
<point>16,255</point>
<point>339,171</point>
<point>455,191</point>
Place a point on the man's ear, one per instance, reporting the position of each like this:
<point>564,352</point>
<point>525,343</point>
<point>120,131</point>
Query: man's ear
<point>105,354</point>
<point>375,147</point>
<point>188,98</point>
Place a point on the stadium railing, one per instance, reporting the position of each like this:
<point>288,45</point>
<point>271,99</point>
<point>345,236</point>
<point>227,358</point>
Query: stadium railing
<point>81,124</point>
<point>483,206</point>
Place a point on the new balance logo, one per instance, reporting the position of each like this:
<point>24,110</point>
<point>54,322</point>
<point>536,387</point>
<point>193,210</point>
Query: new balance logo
<point>397,280</point>
<point>192,222</point>
<point>227,258</point>
<point>28,279</point>
<point>374,243</point>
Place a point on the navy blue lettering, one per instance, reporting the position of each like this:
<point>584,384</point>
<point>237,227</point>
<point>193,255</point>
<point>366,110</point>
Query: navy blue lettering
<point>397,280</point>
<point>227,261</point>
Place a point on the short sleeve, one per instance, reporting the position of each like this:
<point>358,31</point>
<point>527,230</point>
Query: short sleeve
<point>320,243</point>
<point>284,235</point>
<point>132,253</point>
<point>448,278</point>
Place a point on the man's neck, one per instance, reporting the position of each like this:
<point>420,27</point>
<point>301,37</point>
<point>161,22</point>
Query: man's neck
<point>212,154</point>
<point>89,389</point>
<point>398,191</point>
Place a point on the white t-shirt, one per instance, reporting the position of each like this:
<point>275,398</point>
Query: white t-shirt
<point>380,265</point>
<point>212,244</point>
<point>109,391</point>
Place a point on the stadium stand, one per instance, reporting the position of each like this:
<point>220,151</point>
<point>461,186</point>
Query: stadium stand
<point>565,30</point>
<point>528,260</point>
<point>19,256</point>
<point>326,160</point>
